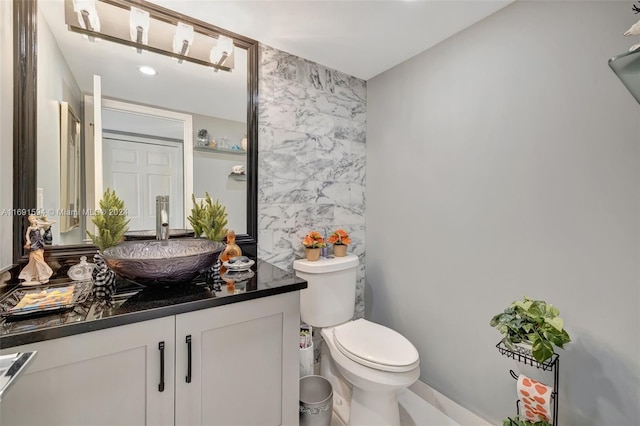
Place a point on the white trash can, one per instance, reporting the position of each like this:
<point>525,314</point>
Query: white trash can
<point>316,401</point>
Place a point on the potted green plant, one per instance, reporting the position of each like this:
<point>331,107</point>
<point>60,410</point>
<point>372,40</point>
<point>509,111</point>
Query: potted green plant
<point>535,322</point>
<point>516,421</point>
<point>208,219</point>
<point>110,221</point>
<point>111,224</point>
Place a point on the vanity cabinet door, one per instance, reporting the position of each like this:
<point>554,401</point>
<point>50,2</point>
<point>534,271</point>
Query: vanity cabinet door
<point>108,377</point>
<point>243,362</point>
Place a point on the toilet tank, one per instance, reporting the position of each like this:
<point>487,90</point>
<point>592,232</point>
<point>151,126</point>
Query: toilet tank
<point>330,296</point>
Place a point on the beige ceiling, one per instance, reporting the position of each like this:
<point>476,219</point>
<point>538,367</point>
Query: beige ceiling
<point>360,38</point>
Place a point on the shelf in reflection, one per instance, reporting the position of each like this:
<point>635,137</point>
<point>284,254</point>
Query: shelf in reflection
<point>219,150</point>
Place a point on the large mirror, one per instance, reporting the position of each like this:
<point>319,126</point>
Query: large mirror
<point>190,129</point>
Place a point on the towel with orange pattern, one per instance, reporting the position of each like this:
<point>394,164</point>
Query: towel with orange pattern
<point>535,398</point>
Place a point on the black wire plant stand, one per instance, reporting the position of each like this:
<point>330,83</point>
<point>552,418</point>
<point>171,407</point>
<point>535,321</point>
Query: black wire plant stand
<point>524,356</point>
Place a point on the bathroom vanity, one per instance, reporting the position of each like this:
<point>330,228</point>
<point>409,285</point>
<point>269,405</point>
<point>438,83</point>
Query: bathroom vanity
<point>198,353</point>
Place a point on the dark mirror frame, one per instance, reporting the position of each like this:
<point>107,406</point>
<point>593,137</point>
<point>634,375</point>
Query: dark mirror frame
<point>25,56</point>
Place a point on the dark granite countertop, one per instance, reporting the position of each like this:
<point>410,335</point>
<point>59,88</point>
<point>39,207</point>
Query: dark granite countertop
<point>134,303</point>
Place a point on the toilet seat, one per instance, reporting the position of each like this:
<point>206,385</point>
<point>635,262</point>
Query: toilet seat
<point>375,346</point>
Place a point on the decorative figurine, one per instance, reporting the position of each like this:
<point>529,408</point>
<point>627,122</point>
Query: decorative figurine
<point>37,271</point>
<point>48,236</point>
<point>634,30</point>
<point>46,225</point>
<point>104,280</point>
<point>232,249</point>
<point>203,137</point>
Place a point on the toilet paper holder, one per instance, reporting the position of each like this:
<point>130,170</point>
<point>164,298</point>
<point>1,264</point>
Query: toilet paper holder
<point>551,365</point>
<point>522,405</point>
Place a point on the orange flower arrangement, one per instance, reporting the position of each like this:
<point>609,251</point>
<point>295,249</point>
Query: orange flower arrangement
<point>313,240</point>
<point>339,237</point>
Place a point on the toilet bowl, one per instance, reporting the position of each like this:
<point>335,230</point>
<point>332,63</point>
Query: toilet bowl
<point>365,362</point>
<point>376,362</point>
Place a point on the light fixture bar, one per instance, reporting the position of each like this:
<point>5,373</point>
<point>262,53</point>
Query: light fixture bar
<point>221,61</point>
<point>152,49</point>
<point>139,31</point>
<point>185,47</point>
<point>87,16</point>
<point>182,39</point>
<point>183,51</point>
<point>85,20</point>
<point>218,58</point>
<point>139,27</point>
<point>221,51</point>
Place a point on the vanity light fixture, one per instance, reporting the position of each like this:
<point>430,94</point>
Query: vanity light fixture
<point>87,15</point>
<point>147,70</point>
<point>139,26</point>
<point>174,37</point>
<point>182,39</point>
<point>221,51</point>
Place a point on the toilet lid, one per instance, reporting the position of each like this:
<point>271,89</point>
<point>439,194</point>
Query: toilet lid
<point>375,346</point>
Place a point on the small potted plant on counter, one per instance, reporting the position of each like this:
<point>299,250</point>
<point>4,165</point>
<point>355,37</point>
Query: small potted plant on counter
<point>111,223</point>
<point>312,243</point>
<point>340,240</point>
<point>532,322</point>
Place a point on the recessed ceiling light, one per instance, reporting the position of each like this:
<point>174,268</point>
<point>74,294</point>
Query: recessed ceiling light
<point>147,70</point>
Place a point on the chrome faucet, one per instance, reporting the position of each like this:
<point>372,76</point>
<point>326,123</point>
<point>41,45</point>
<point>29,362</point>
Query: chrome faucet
<point>162,217</point>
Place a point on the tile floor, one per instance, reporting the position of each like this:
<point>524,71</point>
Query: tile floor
<point>414,411</point>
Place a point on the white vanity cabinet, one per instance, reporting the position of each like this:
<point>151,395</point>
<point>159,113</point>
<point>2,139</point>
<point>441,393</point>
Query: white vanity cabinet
<point>240,367</point>
<point>106,377</point>
<point>244,363</point>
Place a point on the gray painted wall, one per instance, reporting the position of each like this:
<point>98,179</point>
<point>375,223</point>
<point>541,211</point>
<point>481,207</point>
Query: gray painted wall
<point>504,162</point>
<point>56,83</point>
<point>211,169</point>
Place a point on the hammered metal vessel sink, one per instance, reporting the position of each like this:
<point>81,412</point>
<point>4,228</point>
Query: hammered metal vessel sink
<point>154,261</point>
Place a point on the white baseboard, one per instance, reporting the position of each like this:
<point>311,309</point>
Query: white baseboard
<point>452,409</point>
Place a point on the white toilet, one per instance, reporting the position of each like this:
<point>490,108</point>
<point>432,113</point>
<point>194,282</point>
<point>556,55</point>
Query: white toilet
<point>365,362</point>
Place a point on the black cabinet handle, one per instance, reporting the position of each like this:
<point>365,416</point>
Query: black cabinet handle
<point>188,359</point>
<point>161,384</point>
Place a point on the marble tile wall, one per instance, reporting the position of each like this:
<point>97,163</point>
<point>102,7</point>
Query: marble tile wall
<point>311,143</point>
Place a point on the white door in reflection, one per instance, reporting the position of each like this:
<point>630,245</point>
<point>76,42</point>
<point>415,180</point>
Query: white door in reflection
<point>138,171</point>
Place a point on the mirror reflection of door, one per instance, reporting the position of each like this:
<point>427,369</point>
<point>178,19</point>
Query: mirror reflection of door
<point>140,168</point>
<point>145,153</point>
